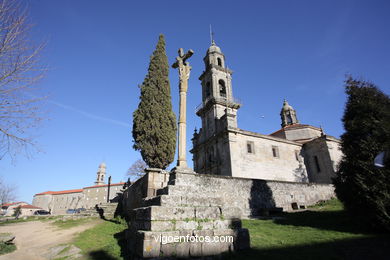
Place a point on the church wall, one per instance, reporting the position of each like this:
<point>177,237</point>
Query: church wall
<point>261,163</point>
<point>96,195</point>
<point>321,158</point>
<point>301,133</point>
<point>62,202</point>
<point>42,201</point>
<point>334,148</point>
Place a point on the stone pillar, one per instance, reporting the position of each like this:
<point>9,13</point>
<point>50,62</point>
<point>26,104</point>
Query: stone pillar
<point>184,74</point>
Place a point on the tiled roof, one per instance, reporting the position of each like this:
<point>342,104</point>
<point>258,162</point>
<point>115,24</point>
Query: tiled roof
<point>12,203</point>
<point>105,185</point>
<point>28,206</point>
<point>77,190</point>
<point>59,192</point>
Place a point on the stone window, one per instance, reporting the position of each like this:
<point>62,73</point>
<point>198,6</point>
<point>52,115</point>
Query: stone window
<point>317,163</point>
<point>275,151</point>
<point>219,62</point>
<point>222,88</point>
<point>250,147</point>
<point>208,89</point>
<point>101,178</point>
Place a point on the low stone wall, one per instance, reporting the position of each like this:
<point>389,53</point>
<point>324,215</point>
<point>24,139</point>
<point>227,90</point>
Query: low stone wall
<point>146,186</point>
<point>252,196</point>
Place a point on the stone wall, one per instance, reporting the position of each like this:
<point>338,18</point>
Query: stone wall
<point>322,156</point>
<point>250,195</point>
<point>261,163</point>
<point>98,194</point>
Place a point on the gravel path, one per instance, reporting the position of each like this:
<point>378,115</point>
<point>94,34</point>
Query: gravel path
<point>35,238</point>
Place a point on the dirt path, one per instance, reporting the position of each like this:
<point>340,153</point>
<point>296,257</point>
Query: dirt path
<point>35,238</point>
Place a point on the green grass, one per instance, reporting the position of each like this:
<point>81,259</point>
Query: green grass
<point>104,241</point>
<point>69,223</point>
<point>6,249</point>
<point>323,232</point>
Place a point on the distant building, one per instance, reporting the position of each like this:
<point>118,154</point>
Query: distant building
<point>295,153</point>
<point>58,202</point>
<point>8,209</point>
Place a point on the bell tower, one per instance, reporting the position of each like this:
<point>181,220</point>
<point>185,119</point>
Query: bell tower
<point>218,112</point>
<point>288,115</point>
<point>218,102</point>
<point>101,174</point>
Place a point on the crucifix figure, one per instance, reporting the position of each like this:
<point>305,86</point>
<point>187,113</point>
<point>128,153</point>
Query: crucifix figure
<point>184,74</point>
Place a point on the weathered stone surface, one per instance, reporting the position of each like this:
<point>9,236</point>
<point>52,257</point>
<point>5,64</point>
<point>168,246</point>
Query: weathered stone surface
<point>164,213</point>
<point>207,212</point>
<point>196,249</point>
<point>231,212</point>
<point>182,250</point>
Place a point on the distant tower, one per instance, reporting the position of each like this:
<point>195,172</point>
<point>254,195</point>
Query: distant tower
<point>101,174</point>
<point>288,115</point>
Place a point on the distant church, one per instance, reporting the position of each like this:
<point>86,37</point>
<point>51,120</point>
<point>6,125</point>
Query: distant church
<point>296,152</point>
<point>59,202</point>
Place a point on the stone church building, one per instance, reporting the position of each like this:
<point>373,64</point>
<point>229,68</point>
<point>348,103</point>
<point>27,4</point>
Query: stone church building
<point>295,153</point>
<point>58,202</point>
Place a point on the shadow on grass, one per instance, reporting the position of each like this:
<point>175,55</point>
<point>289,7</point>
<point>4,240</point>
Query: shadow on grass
<point>101,255</point>
<point>121,239</point>
<point>337,220</point>
<point>377,247</point>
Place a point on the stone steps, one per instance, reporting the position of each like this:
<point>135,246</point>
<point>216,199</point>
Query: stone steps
<point>182,201</point>
<point>188,205</point>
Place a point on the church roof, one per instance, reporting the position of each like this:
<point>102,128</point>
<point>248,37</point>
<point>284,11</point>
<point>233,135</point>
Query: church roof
<point>294,126</point>
<point>104,185</point>
<point>28,206</point>
<point>59,192</point>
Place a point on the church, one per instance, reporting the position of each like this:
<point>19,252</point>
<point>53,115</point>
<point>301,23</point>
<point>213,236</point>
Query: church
<point>294,153</point>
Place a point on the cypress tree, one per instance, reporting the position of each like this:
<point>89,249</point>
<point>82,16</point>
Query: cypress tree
<point>154,122</point>
<point>363,187</point>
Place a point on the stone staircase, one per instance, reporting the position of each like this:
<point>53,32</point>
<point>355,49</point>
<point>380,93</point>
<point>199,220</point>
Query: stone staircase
<point>107,210</point>
<point>185,208</point>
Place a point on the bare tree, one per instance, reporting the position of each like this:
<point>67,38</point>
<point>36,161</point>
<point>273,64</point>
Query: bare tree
<point>20,69</point>
<point>137,169</point>
<point>7,192</point>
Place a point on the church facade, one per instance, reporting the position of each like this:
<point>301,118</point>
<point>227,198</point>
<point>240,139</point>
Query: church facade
<point>295,153</point>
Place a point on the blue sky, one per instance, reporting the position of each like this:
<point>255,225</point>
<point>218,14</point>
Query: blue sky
<point>98,52</point>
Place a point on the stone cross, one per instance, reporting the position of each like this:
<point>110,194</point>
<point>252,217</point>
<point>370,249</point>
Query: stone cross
<point>184,74</point>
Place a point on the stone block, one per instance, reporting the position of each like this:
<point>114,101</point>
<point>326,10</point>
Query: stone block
<point>168,250</point>
<point>222,224</point>
<point>196,249</point>
<point>182,224</point>
<point>206,224</point>
<point>203,233</point>
<point>209,249</point>
<point>231,212</point>
<point>164,213</point>
<point>207,212</point>
<point>183,250</point>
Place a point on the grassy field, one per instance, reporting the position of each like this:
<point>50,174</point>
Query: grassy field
<point>323,232</point>
<point>104,241</point>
